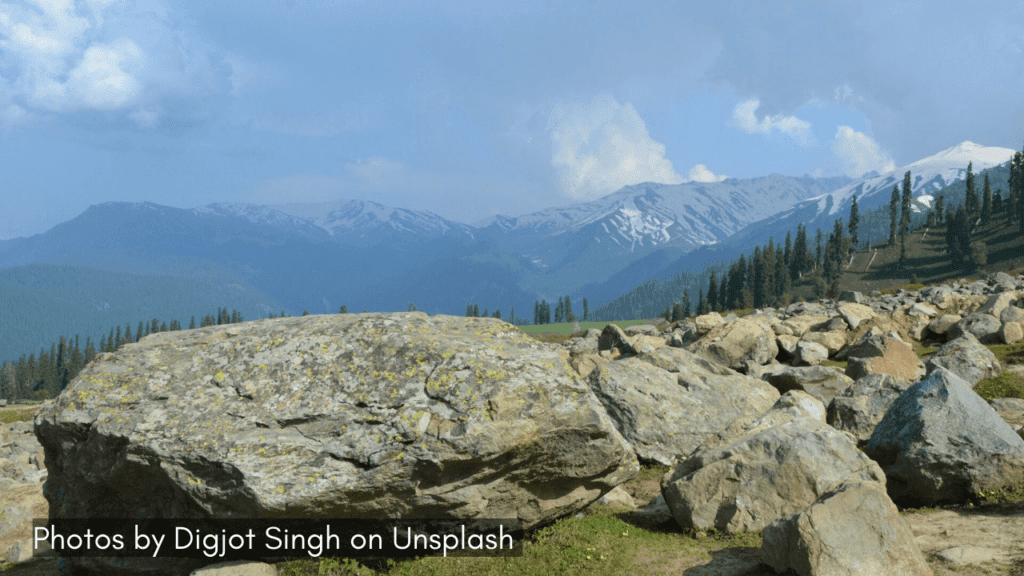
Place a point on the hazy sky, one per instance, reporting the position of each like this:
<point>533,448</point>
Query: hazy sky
<point>473,108</point>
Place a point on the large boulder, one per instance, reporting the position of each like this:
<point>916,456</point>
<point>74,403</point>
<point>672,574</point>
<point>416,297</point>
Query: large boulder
<point>967,358</point>
<point>738,343</point>
<point>996,303</point>
<point>799,325</point>
<point>832,340</point>
<point>822,382</point>
<point>941,443</point>
<point>809,354</point>
<point>883,355</point>
<point>746,484</point>
<point>859,407</point>
<point>984,327</point>
<point>1011,333</point>
<point>941,325</point>
<point>356,415</point>
<point>855,313</point>
<point>665,403</point>
<point>853,530</point>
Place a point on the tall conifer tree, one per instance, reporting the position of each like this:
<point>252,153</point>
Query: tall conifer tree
<point>854,221</point>
<point>904,218</point>
<point>971,203</point>
<point>713,292</point>
<point>894,213</point>
<point>986,202</point>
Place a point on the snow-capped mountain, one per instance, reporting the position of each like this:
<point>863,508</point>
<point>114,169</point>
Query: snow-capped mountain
<point>683,215</point>
<point>927,176</point>
<point>367,222</point>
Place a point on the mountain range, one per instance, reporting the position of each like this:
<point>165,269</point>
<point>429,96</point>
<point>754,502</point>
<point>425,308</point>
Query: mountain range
<point>367,256</point>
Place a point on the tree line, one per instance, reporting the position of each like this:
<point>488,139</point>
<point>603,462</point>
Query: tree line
<point>45,376</point>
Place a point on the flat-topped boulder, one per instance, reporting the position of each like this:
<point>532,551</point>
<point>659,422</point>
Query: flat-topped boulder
<point>668,401</point>
<point>398,415</point>
<point>738,343</point>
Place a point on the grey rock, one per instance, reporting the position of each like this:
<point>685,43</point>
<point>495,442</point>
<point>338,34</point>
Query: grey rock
<point>1011,333</point>
<point>736,487</point>
<point>996,303</point>
<point>1012,314</point>
<point>667,402</point>
<point>737,343</point>
<point>1003,279</point>
<point>809,354</point>
<point>821,382</point>
<point>851,531</point>
<point>984,327</point>
<point>635,329</point>
<point>236,568</point>
<point>391,415</point>
<point>614,338</point>
<point>941,325</point>
<point>859,407</point>
<point>883,355</point>
<point>941,443</point>
<point>851,296</point>
<point>967,358</point>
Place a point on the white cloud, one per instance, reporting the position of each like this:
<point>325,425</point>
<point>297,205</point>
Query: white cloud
<point>744,118</point>
<point>378,171</point>
<point>858,153</point>
<point>66,56</point>
<point>700,173</point>
<point>601,146</point>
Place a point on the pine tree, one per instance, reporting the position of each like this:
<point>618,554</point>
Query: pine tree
<point>789,250</point>
<point>782,282</point>
<point>702,305</point>
<point>971,203</point>
<point>559,311</point>
<point>819,240</point>
<point>905,207</point>
<point>536,312</point>
<point>940,211</point>
<point>854,221</point>
<point>586,310</point>
<point>713,293</point>
<point>799,264</point>
<point>476,310</point>
<point>411,308</point>
<point>192,323</point>
<point>769,272</point>
<point>686,304</point>
<point>757,285</point>
<point>567,310</point>
<point>1016,192</point>
<point>986,202</point>
<point>894,206</point>
<point>497,313</point>
<point>723,294</point>
<point>677,312</point>
<point>997,202</point>
<point>343,309</point>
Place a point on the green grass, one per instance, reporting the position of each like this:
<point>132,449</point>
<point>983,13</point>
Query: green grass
<point>8,416</point>
<point>605,541</point>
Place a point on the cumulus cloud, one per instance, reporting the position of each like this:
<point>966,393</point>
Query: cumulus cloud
<point>601,146</point>
<point>858,153</point>
<point>745,118</point>
<point>700,173</point>
<point>68,56</point>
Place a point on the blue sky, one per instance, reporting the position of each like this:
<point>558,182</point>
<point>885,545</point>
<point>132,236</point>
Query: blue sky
<point>468,109</point>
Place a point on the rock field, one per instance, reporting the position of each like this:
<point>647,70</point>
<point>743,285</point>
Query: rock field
<point>406,415</point>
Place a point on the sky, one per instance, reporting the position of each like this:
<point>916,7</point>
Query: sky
<point>469,109</point>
